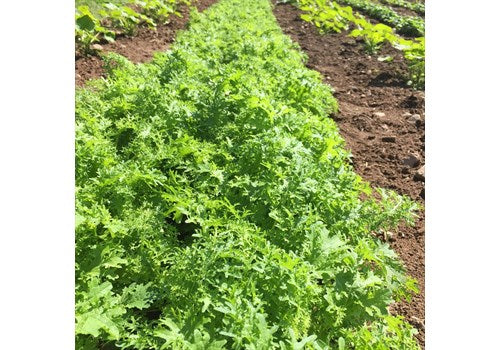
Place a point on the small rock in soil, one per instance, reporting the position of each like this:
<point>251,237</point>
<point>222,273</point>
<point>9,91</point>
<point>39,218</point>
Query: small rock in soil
<point>420,94</point>
<point>415,119</point>
<point>391,139</point>
<point>420,174</point>
<point>384,126</point>
<point>379,114</point>
<point>418,322</point>
<point>97,47</point>
<point>407,115</point>
<point>389,236</point>
<point>405,170</point>
<point>413,160</point>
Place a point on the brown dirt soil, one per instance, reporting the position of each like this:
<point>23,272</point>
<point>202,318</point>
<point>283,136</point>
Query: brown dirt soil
<point>378,121</point>
<point>139,48</point>
<point>403,11</point>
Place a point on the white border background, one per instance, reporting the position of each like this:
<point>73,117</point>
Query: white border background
<point>37,175</point>
<point>462,189</point>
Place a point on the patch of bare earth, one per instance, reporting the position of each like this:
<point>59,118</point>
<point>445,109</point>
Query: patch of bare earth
<point>138,48</point>
<point>405,12</point>
<point>383,123</point>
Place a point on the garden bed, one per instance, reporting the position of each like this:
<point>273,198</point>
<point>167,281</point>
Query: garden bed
<point>138,48</point>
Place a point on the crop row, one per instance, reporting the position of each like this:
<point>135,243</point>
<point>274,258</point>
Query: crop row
<point>216,207</point>
<point>104,22</point>
<point>406,25</point>
<point>418,7</point>
<point>329,16</point>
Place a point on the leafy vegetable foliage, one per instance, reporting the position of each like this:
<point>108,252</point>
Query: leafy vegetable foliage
<point>216,207</point>
<point>329,16</point>
<point>406,25</point>
<point>103,20</point>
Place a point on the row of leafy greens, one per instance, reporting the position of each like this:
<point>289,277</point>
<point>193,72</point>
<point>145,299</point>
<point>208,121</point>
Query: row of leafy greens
<point>102,20</point>
<point>413,26</point>
<point>328,16</point>
<point>216,207</point>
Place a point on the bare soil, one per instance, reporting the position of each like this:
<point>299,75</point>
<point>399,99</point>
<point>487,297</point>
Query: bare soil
<point>138,48</point>
<point>403,11</point>
<point>378,120</point>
